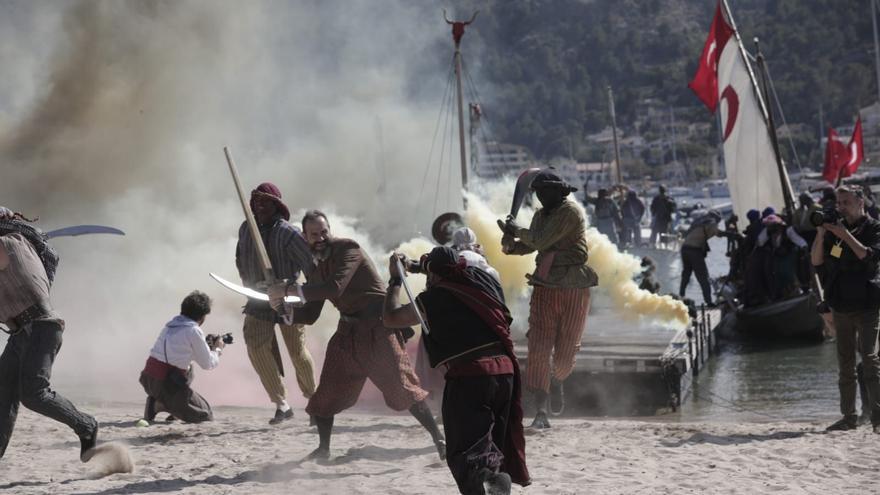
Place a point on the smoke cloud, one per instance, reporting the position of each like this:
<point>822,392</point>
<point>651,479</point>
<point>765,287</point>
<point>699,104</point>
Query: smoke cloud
<point>116,113</point>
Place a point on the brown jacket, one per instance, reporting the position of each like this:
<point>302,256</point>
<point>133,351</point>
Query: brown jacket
<point>348,279</point>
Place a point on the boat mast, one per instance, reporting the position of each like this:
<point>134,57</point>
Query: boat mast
<point>457,34</point>
<point>787,194</point>
<point>876,44</point>
<point>614,135</point>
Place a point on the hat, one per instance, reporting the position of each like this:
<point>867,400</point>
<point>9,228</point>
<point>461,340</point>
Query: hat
<point>442,261</point>
<point>767,212</point>
<point>271,191</point>
<point>771,220</point>
<point>753,215</point>
<point>548,178</point>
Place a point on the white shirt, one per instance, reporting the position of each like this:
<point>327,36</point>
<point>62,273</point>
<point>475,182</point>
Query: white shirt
<point>182,342</point>
<point>475,259</point>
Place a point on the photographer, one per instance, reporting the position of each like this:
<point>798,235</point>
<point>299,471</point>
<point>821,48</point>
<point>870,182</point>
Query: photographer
<point>168,374</point>
<point>846,254</point>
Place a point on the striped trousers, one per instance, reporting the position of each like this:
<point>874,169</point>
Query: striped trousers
<point>557,319</point>
<point>262,347</point>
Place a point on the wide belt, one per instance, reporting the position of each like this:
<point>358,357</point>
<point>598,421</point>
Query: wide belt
<point>35,312</point>
<point>492,350</point>
<point>370,312</point>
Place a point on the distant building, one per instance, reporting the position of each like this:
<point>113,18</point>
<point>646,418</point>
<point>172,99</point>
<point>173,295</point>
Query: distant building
<point>496,160</point>
<point>597,174</point>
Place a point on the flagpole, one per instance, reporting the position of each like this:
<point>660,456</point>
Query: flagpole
<point>876,44</point>
<point>787,194</point>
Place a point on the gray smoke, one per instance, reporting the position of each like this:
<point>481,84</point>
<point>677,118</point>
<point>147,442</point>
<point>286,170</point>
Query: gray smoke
<point>116,112</point>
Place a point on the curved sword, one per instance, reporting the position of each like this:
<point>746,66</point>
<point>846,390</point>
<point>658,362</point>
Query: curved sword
<point>76,230</point>
<point>251,293</point>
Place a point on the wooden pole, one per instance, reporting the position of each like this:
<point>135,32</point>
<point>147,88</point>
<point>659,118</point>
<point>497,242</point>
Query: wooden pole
<point>457,33</point>
<point>614,135</point>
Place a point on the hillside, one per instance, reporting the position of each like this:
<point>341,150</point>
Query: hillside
<point>543,66</point>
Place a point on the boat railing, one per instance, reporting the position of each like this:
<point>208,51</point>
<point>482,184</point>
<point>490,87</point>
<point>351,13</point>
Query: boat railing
<point>702,342</point>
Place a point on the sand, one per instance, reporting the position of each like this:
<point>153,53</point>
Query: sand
<point>379,453</point>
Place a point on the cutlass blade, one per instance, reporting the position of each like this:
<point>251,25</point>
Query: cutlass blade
<point>251,293</point>
<point>76,230</point>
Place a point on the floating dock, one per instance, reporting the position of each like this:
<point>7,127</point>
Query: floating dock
<point>627,368</point>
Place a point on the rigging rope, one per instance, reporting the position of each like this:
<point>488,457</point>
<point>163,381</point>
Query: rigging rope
<point>443,107</point>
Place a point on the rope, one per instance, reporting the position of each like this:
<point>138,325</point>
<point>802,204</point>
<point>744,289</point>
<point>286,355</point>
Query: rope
<point>797,159</point>
<point>443,106</point>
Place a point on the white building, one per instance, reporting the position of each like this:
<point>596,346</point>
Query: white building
<point>495,160</point>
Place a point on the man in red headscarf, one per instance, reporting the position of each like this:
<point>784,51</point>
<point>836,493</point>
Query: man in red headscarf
<point>289,254</point>
<point>469,338</point>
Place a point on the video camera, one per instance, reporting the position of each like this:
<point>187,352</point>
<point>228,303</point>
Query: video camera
<point>226,338</point>
<point>828,214</point>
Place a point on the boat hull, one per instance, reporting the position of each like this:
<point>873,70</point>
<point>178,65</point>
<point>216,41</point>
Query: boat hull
<point>791,319</point>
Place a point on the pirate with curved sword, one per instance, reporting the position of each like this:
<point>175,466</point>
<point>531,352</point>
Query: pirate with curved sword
<point>561,285</point>
<point>27,270</point>
<point>271,250</point>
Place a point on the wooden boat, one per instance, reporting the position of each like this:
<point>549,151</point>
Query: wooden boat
<point>793,319</point>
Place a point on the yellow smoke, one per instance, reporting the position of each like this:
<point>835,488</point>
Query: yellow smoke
<point>615,269</point>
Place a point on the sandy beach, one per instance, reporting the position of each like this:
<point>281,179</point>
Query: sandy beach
<point>375,453</point>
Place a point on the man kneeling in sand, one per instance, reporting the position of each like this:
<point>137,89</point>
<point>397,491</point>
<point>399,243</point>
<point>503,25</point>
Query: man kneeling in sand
<point>470,337</point>
<point>168,374</point>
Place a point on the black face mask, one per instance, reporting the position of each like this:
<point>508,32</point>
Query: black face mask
<point>551,197</point>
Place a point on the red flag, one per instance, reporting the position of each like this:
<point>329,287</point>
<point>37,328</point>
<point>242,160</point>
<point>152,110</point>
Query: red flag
<point>705,81</point>
<point>855,150</point>
<point>836,156</point>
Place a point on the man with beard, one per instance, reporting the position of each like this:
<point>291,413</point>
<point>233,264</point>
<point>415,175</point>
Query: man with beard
<point>27,269</point>
<point>362,346</point>
<point>289,254</point>
<point>470,337</point>
<point>561,296</point>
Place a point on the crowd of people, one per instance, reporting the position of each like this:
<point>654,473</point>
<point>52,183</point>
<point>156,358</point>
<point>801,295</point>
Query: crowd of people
<point>464,317</point>
<point>618,211</point>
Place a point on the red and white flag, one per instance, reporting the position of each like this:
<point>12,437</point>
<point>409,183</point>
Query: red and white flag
<point>705,81</point>
<point>836,156</point>
<point>855,150</point>
<point>723,82</point>
<point>843,160</point>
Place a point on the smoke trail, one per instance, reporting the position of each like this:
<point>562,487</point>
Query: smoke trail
<point>615,269</point>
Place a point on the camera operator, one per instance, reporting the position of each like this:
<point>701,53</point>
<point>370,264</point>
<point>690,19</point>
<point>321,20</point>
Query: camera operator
<point>846,254</point>
<point>167,376</point>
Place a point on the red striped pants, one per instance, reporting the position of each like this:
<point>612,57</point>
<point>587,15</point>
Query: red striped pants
<point>557,320</point>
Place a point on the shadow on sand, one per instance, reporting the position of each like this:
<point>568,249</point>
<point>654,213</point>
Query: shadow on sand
<point>700,438</point>
<point>271,473</point>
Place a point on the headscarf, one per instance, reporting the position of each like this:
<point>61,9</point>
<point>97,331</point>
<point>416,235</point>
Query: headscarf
<point>37,239</point>
<point>483,295</point>
<point>271,191</point>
